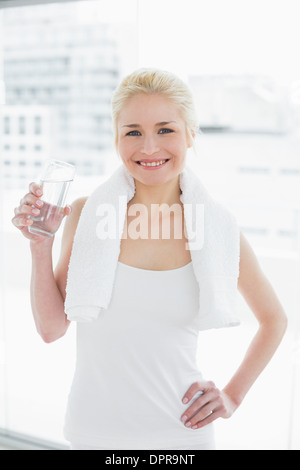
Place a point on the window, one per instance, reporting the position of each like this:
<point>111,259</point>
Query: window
<point>6,125</point>
<point>61,62</point>
<point>37,125</point>
<point>22,125</point>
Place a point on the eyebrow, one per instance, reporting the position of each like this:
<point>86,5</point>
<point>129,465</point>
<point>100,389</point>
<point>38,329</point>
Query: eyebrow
<point>163,123</point>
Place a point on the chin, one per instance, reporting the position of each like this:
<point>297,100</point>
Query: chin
<point>156,180</point>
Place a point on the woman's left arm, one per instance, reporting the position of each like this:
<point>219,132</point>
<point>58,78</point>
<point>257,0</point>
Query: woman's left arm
<point>261,298</point>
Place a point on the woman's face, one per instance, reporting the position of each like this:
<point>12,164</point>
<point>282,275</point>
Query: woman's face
<point>152,139</point>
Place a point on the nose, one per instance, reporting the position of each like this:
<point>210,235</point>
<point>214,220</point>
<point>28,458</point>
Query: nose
<point>150,145</point>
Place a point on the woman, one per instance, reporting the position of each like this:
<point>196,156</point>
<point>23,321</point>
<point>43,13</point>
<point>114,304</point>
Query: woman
<point>137,386</point>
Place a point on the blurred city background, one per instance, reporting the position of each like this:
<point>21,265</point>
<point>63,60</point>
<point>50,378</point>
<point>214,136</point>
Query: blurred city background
<point>59,64</point>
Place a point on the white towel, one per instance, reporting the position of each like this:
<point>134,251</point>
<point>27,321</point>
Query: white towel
<point>94,258</point>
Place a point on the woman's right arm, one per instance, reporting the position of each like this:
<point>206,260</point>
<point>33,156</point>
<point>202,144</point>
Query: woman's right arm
<point>47,286</point>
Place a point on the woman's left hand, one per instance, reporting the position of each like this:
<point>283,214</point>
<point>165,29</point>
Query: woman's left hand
<point>210,405</point>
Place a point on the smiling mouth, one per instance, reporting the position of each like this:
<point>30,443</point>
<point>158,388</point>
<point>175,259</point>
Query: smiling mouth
<point>152,164</point>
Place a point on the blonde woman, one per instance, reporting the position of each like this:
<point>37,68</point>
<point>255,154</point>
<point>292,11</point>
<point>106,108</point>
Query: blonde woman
<point>137,385</point>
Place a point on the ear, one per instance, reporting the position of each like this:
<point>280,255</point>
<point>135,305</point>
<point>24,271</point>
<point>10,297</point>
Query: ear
<point>190,138</point>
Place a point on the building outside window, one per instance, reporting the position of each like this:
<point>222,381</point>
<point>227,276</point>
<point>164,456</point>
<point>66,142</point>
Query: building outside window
<point>60,63</point>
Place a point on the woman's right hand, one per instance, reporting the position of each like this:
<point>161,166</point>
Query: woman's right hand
<point>31,204</point>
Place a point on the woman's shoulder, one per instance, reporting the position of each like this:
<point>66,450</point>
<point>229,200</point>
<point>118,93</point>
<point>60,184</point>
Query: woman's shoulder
<point>79,204</point>
<point>73,219</point>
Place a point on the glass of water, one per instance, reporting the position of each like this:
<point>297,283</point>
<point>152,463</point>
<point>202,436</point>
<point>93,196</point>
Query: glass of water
<point>55,182</point>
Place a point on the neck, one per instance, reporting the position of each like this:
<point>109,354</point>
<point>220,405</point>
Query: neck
<point>167,193</point>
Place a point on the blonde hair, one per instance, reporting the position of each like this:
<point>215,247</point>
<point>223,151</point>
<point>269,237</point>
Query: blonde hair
<point>154,81</point>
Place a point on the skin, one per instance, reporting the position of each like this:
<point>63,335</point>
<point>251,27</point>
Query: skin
<point>150,141</point>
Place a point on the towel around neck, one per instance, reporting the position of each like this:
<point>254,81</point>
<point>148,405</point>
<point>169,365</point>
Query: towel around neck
<point>214,243</point>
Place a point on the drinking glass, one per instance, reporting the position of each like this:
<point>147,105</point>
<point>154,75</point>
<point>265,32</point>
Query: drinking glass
<point>55,182</point>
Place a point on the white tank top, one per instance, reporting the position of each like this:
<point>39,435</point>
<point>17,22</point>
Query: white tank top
<point>135,362</point>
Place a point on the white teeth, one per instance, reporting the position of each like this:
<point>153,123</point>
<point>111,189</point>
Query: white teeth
<point>153,163</point>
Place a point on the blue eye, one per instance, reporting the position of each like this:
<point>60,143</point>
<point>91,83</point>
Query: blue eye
<point>133,133</point>
<point>165,131</point>
<point>137,133</point>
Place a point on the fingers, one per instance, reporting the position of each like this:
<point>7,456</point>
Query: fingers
<point>22,214</point>
<point>201,402</point>
<point>195,388</point>
<point>25,209</point>
<point>209,419</point>
<point>33,197</point>
<point>67,210</point>
<point>34,188</point>
<point>30,204</point>
<point>204,409</point>
<point>32,200</point>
